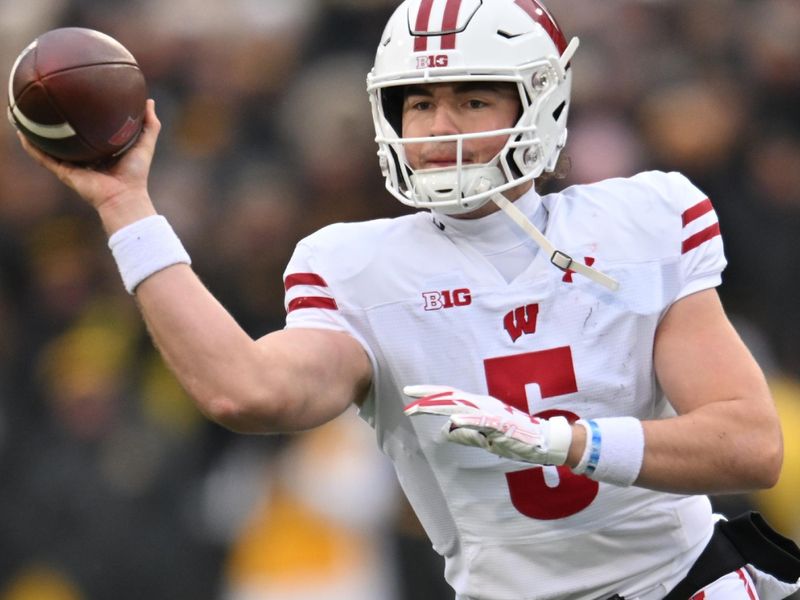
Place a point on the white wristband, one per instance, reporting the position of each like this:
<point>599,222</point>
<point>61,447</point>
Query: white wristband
<point>145,247</point>
<point>614,450</point>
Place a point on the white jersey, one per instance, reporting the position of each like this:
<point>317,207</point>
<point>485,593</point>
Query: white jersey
<point>425,298</point>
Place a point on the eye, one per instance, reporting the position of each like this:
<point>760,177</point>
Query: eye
<point>476,103</point>
<point>418,105</point>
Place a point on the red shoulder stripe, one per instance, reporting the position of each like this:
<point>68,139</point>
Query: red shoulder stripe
<point>303,279</point>
<point>696,211</point>
<point>312,302</point>
<point>693,241</point>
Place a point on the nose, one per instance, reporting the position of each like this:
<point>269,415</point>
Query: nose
<point>444,121</point>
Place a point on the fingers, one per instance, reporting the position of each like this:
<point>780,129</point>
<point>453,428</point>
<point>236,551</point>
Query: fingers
<point>437,404</point>
<point>445,400</point>
<point>479,421</point>
<point>466,437</point>
<point>40,157</point>
<point>432,400</point>
<point>59,168</point>
<point>151,127</point>
<point>420,391</point>
<point>485,422</point>
<point>135,162</point>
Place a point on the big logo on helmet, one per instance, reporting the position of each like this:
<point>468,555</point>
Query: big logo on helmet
<point>432,60</point>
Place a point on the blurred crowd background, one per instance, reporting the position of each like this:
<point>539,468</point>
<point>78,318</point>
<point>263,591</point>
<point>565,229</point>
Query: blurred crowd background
<point>112,486</point>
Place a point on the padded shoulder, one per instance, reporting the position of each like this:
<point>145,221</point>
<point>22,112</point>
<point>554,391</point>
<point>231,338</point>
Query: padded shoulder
<point>358,260</point>
<point>630,219</point>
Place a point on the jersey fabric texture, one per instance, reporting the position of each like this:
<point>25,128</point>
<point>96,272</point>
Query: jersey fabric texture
<point>425,298</point>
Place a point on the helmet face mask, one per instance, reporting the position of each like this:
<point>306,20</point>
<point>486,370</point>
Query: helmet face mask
<point>511,41</point>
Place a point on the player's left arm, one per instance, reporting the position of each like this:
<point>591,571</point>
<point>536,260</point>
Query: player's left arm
<point>727,436</point>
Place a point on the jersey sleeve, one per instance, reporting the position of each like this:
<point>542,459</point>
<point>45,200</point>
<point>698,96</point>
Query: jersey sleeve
<point>702,256</point>
<point>312,301</point>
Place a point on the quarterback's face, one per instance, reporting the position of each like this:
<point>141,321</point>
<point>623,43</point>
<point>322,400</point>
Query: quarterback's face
<point>456,108</point>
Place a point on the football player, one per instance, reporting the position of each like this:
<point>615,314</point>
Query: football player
<point>554,377</point>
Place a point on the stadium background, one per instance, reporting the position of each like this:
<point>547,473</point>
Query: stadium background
<point>113,487</point>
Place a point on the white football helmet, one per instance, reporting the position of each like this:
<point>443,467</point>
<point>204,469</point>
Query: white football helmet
<point>433,41</point>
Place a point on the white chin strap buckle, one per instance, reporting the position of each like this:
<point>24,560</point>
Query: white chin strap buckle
<point>559,259</point>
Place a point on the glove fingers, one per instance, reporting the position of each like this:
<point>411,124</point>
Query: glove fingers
<point>439,404</point>
<point>420,391</point>
<point>424,407</point>
<point>489,440</point>
<point>477,421</point>
<point>512,448</point>
<point>465,436</point>
<point>436,406</point>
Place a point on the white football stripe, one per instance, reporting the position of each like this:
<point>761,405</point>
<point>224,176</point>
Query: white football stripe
<point>11,100</point>
<point>51,132</point>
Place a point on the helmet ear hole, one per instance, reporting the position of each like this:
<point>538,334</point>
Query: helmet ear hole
<point>396,166</point>
<point>392,101</point>
<point>511,161</point>
<point>559,110</point>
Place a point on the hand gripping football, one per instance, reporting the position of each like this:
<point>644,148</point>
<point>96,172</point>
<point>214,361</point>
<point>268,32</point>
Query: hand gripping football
<point>78,95</point>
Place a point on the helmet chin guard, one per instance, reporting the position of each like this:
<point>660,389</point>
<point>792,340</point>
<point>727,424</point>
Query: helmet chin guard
<point>505,41</point>
<point>468,185</point>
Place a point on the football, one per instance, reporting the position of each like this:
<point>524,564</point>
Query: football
<point>78,95</point>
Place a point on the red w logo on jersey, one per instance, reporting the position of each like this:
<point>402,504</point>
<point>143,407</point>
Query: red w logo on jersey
<point>521,320</point>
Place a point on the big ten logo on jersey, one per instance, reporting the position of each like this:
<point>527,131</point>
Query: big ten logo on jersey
<point>431,61</point>
<point>447,299</point>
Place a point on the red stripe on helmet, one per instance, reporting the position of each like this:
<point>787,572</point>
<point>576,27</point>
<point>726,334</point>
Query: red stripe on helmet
<point>423,22</point>
<point>539,13</point>
<point>449,23</point>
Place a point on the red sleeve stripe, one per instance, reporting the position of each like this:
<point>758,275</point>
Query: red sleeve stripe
<point>303,279</point>
<point>312,302</point>
<point>700,237</point>
<point>696,211</point>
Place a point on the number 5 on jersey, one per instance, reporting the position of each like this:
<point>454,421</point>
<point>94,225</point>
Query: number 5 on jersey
<point>536,494</point>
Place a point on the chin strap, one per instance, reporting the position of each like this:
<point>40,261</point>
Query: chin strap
<point>559,259</point>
